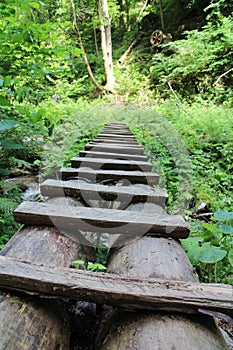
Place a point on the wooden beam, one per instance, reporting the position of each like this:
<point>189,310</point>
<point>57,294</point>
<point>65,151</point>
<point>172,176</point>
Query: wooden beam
<point>103,134</point>
<point>112,221</point>
<point>130,194</point>
<point>109,155</point>
<point>114,140</point>
<point>96,176</point>
<point>111,164</point>
<point>111,289</point>
<point>114,148</point>
<point>126,145</point>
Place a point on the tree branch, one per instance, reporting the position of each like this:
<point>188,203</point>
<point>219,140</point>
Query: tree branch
<point>222,75</point>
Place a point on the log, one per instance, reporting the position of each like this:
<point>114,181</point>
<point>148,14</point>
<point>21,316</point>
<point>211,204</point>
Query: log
<point>151,294</point>
<point>128,194</point>
<point>109,155</point>
<point>156,258</point>
<point>111,221</point>
<point>28,323</point>
<point>96,176</point>
<point>112,164</point>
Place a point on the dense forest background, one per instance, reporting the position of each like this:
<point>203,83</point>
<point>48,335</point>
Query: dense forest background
<point>164,67</point>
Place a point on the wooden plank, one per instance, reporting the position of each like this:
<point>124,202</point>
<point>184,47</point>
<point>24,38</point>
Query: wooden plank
<point>129,194</point>
<point>109,155</point>
<point>126,144</point>
<point>113,140</point>
<point>96,176</point>
<point>114,148</point>
<point>117,131</point>
<point>113,221</point>
<point>130,137</point>
<point>108,164</point>
<point>152,294</point>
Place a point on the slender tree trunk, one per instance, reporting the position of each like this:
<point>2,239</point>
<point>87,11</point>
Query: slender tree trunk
<point>106,43</point>
<point>82,47</point>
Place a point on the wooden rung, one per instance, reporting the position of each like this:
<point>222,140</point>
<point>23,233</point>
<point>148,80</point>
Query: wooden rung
<point>112,221</point>
<point>125,144</point>
<point>96,176</point>
<point>104,288</point>
<point>115,148</point>
<point>107,155</point>
<point>128,194</point>
<point>112,140</point>
<point>116,136</point>
<point>108,164</point>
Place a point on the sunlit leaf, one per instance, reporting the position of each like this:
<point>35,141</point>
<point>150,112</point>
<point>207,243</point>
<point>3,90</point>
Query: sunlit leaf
<point>223,215</point>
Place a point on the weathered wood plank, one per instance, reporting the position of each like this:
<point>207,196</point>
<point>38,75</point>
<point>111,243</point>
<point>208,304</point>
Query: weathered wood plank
<point>111,164</point>
<point>130,194</point>
<point>110,289</point>
<point>126,145</point>
<point>112,221</point>
<point>96,176</point>
<point>119,137</point>
<point>114,148</point>
<point>115,140</point>
<point>109,155</point>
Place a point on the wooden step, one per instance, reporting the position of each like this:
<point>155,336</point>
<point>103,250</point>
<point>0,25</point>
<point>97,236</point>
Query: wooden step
<point>129,194</point>
<point>110,164</point>
<point>120,137</point>
<point>112,140</point>
<point>105,288</point>
<point>112,221</point>
<point>125,144</point>
<point>96,176</point>
<point>115,148</point>
<point>108,155</point>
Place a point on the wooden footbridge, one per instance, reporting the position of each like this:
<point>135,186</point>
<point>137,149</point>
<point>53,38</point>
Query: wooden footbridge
<point>155,300</point>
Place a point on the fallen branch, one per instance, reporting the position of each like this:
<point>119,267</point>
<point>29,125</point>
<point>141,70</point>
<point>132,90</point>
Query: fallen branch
<point>222,75</point>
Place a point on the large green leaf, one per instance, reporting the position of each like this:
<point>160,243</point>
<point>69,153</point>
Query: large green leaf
<point>4,171</point>
<point>211,255</point>
<point>223,215</point>
<point>7,124</point>
<point>227,229</point>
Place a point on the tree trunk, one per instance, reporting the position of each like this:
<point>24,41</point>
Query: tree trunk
<point>28,323</point>
<point>106,43</point>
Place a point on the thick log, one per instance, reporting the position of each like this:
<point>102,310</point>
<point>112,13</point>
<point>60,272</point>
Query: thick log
<point>156,258</point>
<point>109,155</point>
<point>111,164</point>
<point>87,191</point>
<point>96,176</point>
<point>110,289</point>
<point>33,323</point>
<point>101,220</point>
<point>112,147</point>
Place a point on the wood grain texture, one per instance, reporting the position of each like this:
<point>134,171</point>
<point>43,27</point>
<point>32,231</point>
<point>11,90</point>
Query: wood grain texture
<point>101,220</point>
<point>110,289</point>
<point>129,194</point>
<point>95,176</point>
<point>111,164</point>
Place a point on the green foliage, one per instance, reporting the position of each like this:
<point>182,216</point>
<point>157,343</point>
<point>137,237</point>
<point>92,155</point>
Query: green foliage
<point>193,65</point>
<point>210,249</point>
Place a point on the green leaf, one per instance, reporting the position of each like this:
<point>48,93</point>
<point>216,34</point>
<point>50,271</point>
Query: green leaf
<point>78,262</point>
<point>7,80</point>
<point>230,257</point>
<point>8,124</point>
<point>212,255</point>
<point>10,145</point>
<point>4,101</point>
<point>35,4</point>
<point>223,215</point>
<point>226,228</point>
